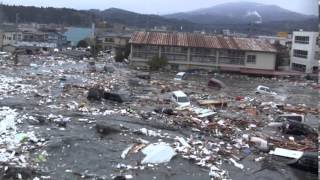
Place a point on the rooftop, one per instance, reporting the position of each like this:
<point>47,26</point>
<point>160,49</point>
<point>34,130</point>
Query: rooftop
<point>112,34</point>
<point>202,41</point>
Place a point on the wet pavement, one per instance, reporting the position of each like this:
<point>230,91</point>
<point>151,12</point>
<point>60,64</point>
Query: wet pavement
<point>66,143</point>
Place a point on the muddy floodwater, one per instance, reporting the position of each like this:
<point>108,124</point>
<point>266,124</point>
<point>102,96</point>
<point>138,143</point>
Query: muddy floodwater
<point>52,131</point>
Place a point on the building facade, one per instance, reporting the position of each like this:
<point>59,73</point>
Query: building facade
<point>189,51</point>
<point>1,39</point>
<point>305,52</point>
<point>113,41</point>
<point>44,39</point>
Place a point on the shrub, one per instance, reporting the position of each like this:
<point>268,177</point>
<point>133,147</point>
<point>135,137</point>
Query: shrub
<point>157,63</point>
<point>83,44</point>
<point>119,56</point>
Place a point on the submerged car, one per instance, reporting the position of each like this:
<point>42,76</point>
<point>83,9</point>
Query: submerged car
<point>215,83</point>
<point>180,76</point>
<point>180,98</point>
<point>91,66</point>
<point>265,90</point>
<point>291,117</point>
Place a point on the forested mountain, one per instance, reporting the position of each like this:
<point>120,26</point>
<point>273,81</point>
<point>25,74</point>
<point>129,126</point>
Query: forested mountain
<point>240,13</point>
<point>72,17</point>
<point>28,14</point>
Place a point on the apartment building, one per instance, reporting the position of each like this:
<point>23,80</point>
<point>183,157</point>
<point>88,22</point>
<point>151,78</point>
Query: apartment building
<point>189,50</point>
<point>113,41</point>
<point>44,39</point>
<point>305,52</point>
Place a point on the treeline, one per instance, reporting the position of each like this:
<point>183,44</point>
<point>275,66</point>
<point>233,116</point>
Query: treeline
<point>72,17</point>
<point>46,15</point>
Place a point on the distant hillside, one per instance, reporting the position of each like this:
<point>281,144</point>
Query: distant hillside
<point>115,15</point>
<point>240,13</point>
<point>28,14</point>
<point>71,17</point>
<point>240,18</point>
<point>268,28</point>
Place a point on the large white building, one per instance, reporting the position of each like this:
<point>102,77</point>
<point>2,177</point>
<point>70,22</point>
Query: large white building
<point>305,52</point>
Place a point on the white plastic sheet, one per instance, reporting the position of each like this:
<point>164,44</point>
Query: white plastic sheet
<point>158,153</point>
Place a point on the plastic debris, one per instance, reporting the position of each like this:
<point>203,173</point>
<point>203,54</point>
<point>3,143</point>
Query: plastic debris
<point>240,166</point>
<point>287,153</point>
<point>126,151</point>
<point>158,153</point>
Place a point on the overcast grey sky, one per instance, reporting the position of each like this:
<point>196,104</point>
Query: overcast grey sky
<point>163,6</point>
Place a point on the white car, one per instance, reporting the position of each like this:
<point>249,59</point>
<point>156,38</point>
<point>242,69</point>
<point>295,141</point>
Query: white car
<point>180,76</point>
<point>264,90</point>
<point>180,98</point>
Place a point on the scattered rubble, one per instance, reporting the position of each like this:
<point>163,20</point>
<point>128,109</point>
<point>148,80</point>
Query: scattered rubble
<point>68,118</point>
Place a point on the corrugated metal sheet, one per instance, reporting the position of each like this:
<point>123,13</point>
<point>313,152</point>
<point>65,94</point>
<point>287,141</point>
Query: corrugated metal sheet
<point>202,41</point>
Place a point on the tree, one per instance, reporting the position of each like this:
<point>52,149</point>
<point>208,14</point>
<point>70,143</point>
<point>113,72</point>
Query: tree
<point>83,44</point>
<point>157,63</point>
<point>119,56</point>
<point>127,50</point>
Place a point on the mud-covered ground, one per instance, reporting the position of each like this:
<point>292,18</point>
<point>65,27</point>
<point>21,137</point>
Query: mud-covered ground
<point>49,98</point>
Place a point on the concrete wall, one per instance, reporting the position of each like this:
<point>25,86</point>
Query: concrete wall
<point>263,61</point>
<point>8,39</point>
<point>9,48</point>
<point>310,61</point>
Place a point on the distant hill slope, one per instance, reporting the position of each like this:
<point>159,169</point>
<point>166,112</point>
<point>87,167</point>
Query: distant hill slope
<point>71,17</point>
<point>240,13</point>
<point>28,14</point>
<point>211,20</point>
<point>115,15</point>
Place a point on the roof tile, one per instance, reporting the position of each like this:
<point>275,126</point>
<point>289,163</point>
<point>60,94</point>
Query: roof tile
<point>202,41</point>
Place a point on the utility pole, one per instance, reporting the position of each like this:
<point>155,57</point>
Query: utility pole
<point>16,58</point>
<point>16,34</point>
<point>93,39</point>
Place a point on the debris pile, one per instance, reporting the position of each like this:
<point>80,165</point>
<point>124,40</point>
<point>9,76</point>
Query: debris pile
<point>98,119</point>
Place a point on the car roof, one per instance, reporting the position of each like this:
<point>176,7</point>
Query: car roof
<point>181,73</point>
<point>263,87</point>
<point>291,115</point>
<point>179,93</point>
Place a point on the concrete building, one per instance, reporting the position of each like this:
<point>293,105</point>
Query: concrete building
<point>305,52</point>
<point>284,41</point>
<point>189,51</point>
<point>1,39</point>
<point>113,41</point>
<point>44,39</point>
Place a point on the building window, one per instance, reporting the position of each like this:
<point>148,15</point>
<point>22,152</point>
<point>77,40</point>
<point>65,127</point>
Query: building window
<point>317,56</point>
<point>203,59</point>
<point>251,59</point>
<point>300,53</point>
<point>299,67</point>
<point>175,57</point>
<point>109,40</point>
<point>301,39</point>
<point>176,50</point>
<point>232,57</point>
